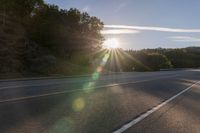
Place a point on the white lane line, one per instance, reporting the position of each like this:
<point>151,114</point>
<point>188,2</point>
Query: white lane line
<point>74,90</point>
<point>52,83</point>
<point>146,114</point>
<point>19,86</point>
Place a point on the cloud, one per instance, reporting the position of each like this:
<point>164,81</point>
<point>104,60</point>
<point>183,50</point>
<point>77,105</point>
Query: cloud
<point>150,28</point>
<point>119,31</point>
<point>86,9</point>
<point>184,39</point>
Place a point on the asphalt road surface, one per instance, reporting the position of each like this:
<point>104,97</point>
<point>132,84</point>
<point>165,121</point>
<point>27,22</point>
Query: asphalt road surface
<point>148,102</point>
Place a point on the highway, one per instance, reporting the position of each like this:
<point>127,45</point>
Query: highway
<point>135,102</point>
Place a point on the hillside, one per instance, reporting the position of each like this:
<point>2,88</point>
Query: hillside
<point>12,41</point>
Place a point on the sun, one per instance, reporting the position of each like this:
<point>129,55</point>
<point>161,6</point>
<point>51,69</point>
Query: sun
<point>111,43</point>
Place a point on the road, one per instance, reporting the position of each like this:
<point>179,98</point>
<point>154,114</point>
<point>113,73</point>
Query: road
<point>138,102</point>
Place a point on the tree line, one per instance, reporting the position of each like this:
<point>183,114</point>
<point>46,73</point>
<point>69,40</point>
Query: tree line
<point>36,37</point>
<point>155,59</point>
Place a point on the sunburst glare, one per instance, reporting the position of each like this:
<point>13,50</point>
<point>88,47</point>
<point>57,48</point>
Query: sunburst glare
<point>111,43</point>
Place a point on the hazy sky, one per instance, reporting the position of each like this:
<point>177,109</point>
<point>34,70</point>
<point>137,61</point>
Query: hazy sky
<point>145,23</point>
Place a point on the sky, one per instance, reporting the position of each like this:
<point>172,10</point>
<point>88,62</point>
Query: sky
<point>139,24</point>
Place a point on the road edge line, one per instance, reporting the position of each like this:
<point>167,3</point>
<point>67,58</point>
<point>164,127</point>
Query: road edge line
<point>146,114</point>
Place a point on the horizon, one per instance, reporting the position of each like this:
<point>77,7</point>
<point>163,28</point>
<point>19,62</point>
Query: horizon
<point>171,24</point>
<point>97,66</point>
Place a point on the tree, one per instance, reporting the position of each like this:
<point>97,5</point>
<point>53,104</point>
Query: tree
<point>148,60</point>
<point>65,31</point>
<point>20,8</point>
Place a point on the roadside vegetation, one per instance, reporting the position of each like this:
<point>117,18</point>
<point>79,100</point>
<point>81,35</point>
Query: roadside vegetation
<point>42,39</point>
<point>162,58</point>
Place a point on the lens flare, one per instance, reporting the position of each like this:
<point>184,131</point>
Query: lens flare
<point>99,69</point>
<point>78,104</point>
<point>111,43</point>
<point>88,87</point>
